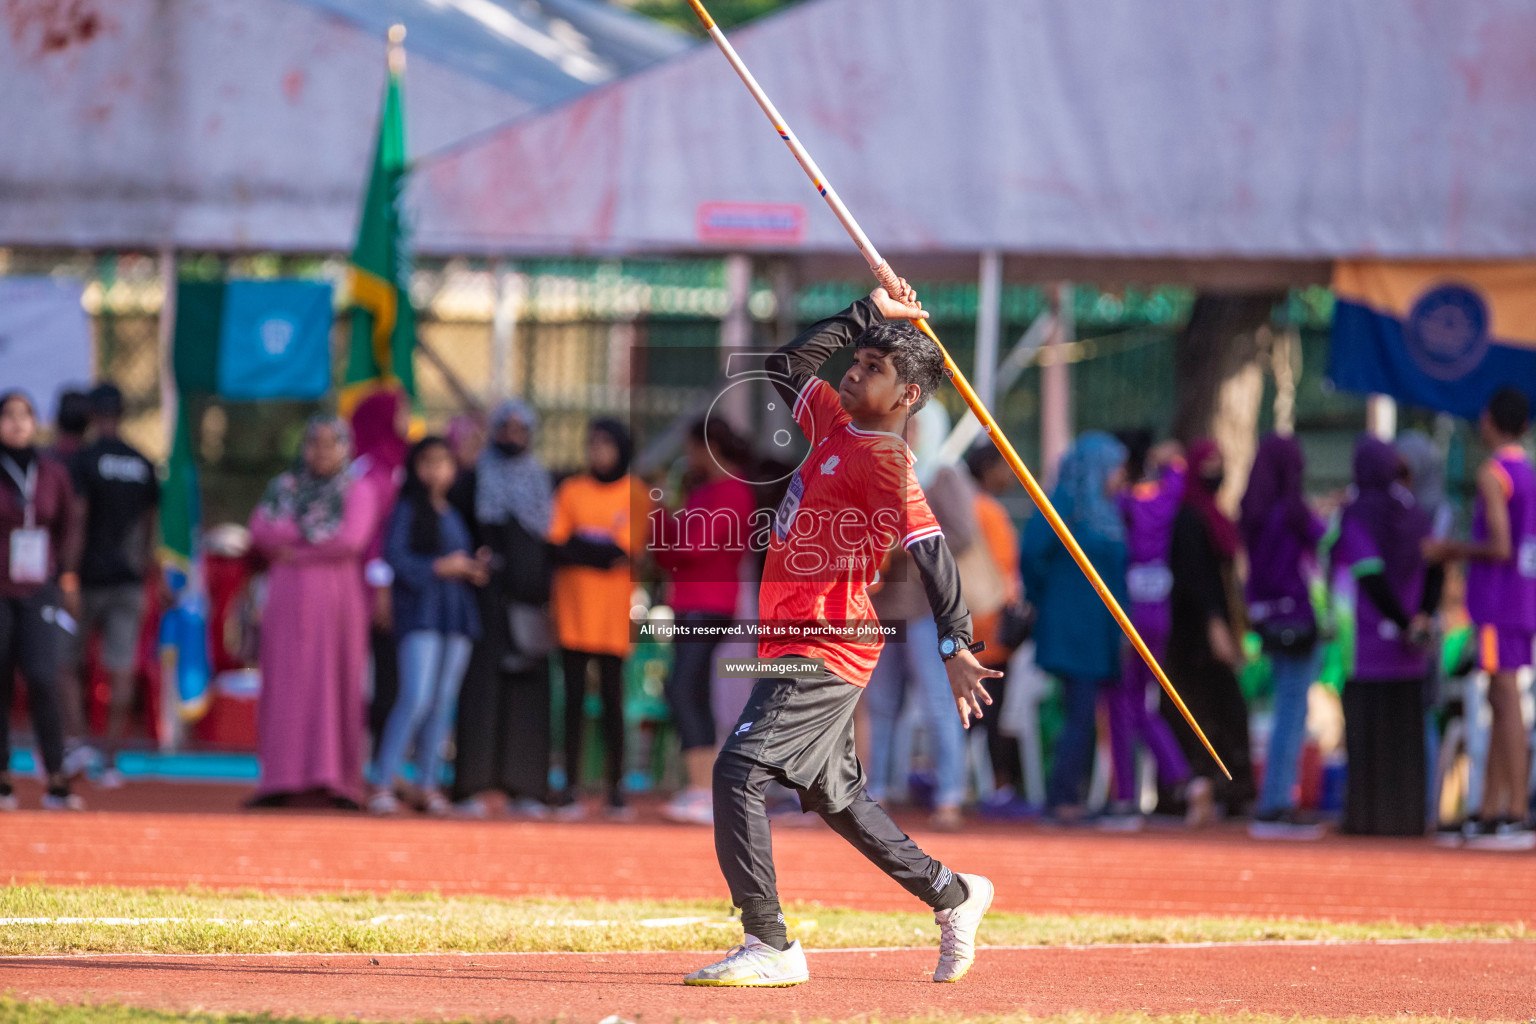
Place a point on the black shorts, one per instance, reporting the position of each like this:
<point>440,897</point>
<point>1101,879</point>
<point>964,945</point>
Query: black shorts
<point>803,728</point>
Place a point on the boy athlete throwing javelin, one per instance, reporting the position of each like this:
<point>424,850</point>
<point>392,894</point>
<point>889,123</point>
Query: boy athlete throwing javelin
<point>851,501</point>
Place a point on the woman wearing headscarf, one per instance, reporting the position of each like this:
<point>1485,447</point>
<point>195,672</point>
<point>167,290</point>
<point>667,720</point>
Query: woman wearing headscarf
<point>314,526</point>
<point>502,736</point>
<point>1425,464</point>
<point>1076,638</point>
<point>1381,533</point>
<point>1156,478</point>
<point>1426,479</point>
<point>590,533</point>
<point>1281,534</point>
<point>379,426</point>
<point>39,553</point>
<point>1204,650</point>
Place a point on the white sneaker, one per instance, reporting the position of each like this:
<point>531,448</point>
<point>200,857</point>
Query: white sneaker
<point>957,929</point>
<point>8,802</point>
<point>80,759</point>
<point>63,802</point>
<point>110,779</point>
<point>383,803</point>
<point>436,805</point>
<point>691,807</point>
<point>755,965</point>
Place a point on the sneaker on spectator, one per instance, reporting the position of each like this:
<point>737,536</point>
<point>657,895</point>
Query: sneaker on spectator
<point>1006,805</point>
<point>1454,835</point>
<point>528,807</point>
<point>691,807</point>
<point>80,759</point>
<point>111,778</point>
<point>8,801</point>
<point>62,800</point>
<point>435,804</point>
<point>570,808</point>
<point>1120,816</point>
<point>1284,825</point>
<point>471,808</point>
<point>1504,835</point>
<point>383,803</point>
<point>1200,798</point>
<point>617,808</point>
<point>946,819</point>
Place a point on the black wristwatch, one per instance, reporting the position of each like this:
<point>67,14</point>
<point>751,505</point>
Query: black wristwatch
<point>953,645</point>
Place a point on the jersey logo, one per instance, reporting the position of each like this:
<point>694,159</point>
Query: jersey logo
<point>743,728</point>
<point>830,466</point>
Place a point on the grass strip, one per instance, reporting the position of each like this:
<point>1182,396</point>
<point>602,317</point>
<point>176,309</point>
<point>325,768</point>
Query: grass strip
<point>16,1012</point>
<point>196,921</point>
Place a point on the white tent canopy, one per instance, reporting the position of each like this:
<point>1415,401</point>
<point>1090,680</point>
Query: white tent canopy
<point>249,124</point>
<point>1191,130</point>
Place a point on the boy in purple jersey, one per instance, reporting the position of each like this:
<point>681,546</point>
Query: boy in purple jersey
<point>1501,600</point>
<point>1148,507</point>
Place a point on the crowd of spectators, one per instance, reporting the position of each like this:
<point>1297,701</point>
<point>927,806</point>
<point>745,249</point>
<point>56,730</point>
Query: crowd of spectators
<point>420,599</point>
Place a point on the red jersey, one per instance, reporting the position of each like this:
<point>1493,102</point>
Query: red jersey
<point>853,499</point>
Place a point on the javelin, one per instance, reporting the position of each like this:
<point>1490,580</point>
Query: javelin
<point>887,278</point>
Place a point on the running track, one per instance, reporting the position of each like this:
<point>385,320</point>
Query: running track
<point>1037,870</point>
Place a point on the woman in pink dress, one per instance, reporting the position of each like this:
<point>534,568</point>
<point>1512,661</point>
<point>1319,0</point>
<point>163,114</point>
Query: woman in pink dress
<point>314,525</point>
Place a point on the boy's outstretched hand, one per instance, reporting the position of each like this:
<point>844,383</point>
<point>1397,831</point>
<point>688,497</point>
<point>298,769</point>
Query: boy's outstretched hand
<point>965,676</point>
<point>903,306</point>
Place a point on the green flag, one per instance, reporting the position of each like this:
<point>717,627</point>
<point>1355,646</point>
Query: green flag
<point>383,322</point>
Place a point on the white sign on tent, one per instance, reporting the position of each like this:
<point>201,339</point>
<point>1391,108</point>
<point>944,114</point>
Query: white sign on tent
<point>45,338</point>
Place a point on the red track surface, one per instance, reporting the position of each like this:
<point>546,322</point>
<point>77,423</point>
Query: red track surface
<point>1037,870</point>
<point>1471,981</point>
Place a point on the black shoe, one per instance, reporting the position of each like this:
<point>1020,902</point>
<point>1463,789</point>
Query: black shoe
<point>1290,824</point>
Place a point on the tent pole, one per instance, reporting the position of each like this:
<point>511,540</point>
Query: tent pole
<point>989,314</point>
<point>171,726</point>
<point>888,279</point>
<point>1056,384</point>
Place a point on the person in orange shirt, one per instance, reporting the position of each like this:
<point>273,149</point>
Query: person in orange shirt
<point>590,598</point>
<point>993,477</point>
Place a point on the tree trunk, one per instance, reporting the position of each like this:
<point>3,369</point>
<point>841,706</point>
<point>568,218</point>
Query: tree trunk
<point>1219,364</point>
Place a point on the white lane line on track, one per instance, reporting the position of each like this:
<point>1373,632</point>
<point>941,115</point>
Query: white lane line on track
<point>870,950</point>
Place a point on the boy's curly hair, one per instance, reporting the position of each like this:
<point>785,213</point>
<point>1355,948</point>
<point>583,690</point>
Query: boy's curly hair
<point>914,355</point>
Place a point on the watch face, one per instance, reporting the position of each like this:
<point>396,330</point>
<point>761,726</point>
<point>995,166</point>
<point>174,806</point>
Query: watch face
<point>947,645</point>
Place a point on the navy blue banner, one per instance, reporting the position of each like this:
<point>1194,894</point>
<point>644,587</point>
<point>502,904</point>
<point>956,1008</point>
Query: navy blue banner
<point>1369,352</point>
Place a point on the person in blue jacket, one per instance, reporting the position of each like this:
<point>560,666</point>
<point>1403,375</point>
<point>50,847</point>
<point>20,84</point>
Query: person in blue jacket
<point>1076,638</point>
<point>427,544</point>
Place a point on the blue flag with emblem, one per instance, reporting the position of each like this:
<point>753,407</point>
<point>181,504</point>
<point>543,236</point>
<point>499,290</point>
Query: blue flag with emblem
<point>1442,336</point>
<point>275,340</point>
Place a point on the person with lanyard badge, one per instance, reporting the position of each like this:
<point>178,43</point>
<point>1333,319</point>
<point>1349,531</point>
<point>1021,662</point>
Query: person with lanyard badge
<point>1155,477</point>
<point>119,502</point>
<point>39,542</point>
<point>1281,534</point>
<point>1381,530</point>
<point>1501,599</point>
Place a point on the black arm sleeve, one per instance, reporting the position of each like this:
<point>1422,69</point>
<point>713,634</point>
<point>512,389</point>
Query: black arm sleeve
<point>1375,587</point>
<point>1434,588</point>
<point>941,582</point>
<point>594,553</point>
<point>794,364</point>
